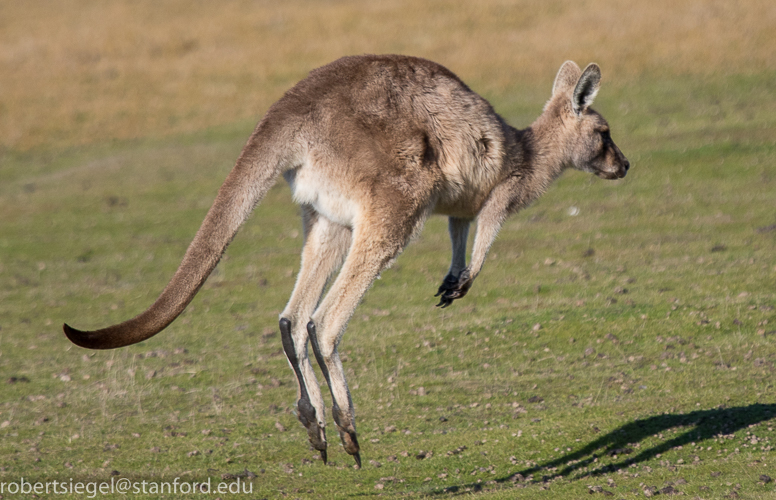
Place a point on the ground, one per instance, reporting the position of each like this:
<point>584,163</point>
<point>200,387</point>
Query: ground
<point>620,340</point>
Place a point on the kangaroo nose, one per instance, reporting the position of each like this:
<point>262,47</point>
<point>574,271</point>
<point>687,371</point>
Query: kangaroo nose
<point>627,165</point>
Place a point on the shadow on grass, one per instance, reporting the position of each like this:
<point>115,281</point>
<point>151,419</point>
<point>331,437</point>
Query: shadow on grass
<point>697,426</point>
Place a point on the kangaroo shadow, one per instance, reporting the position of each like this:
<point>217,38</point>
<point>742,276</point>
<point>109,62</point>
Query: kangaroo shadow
<point>698,426</point>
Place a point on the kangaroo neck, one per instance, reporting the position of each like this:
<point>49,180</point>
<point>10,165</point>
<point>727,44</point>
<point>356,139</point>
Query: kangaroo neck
<point>538,158</point>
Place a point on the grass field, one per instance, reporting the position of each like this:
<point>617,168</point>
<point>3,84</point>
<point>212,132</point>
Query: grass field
<point>627,350</point>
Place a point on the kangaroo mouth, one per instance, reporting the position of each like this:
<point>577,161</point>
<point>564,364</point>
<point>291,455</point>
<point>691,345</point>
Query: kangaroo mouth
<point>618,174</point>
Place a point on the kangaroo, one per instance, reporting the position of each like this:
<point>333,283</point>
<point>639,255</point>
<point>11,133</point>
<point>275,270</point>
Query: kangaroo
<point>371,146</point>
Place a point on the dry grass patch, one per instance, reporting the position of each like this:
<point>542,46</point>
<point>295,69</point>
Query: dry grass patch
<point>83,71</point>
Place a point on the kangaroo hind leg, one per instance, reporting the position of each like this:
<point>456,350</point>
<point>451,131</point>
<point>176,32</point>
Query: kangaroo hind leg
<point>371,251</point>
<point>326,244</point>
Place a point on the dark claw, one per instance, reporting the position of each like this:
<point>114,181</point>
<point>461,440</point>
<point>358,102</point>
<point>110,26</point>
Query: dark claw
<point>444,302</point>
<point>453,288</point>
<point>324,457</point>
<point>450,282</point>
<point>357,456</point>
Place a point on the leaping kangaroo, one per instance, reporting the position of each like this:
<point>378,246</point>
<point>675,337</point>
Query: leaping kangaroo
<point>371,146</point>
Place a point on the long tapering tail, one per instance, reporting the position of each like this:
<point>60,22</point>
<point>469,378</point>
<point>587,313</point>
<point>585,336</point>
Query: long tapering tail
<point>245,186</point>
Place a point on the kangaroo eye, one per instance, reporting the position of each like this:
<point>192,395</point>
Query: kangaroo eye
<point>605,136</point>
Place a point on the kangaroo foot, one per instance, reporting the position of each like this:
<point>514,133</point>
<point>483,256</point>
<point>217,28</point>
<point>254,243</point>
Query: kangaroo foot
<point>347,432</point>
<point>305,410</point>
<point>316,432</point>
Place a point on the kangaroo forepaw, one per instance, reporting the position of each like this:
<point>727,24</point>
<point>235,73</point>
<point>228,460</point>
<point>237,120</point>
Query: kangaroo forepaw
<point>453,288</point>
<point>447,284</point>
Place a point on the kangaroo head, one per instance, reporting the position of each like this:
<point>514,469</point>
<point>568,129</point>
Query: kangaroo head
<point>583,133</point>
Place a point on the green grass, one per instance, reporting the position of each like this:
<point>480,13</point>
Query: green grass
<point>652,365</point>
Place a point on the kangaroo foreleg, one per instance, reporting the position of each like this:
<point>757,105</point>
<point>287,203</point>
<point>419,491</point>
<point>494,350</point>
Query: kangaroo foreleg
<point>325,248</point>
<point>459,234</point>
<point>489,222</point>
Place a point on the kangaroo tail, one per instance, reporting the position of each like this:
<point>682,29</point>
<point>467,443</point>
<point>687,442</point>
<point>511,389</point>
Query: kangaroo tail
<point>250,179</point>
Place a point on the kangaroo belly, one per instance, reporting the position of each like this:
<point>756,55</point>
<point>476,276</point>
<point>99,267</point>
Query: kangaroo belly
<point>309,187</point>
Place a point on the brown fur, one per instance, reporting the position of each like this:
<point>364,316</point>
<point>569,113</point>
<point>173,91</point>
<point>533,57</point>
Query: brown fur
<point>371,146</point>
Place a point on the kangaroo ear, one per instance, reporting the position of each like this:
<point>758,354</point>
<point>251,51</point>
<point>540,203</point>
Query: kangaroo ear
<point>567,77</point>
<point>586,88</point>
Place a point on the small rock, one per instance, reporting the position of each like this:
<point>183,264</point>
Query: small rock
<point>669,490</point>
<point>193,453</point>
<point>280,427</point>
<point>248,474</point>
<point>456,451</point>
<point>765,479</point>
